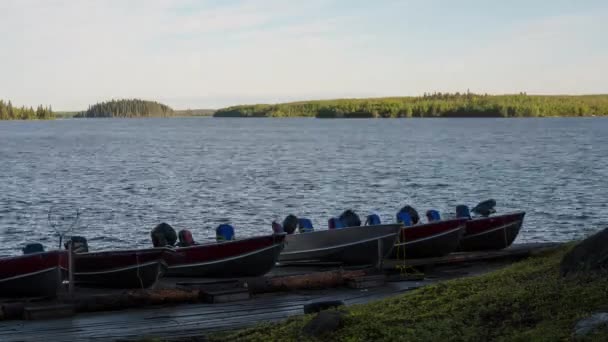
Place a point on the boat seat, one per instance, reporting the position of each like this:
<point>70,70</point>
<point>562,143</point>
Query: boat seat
<point>305,225</point>
<point>462,211</point>
<point>224,232</point>
<point>79,244</point>
<point>335,223</point>
<point>33,248</point>
<point>404,218</point>
<point>277,228</point>
<point>372,220</point>
<point>433,215</point>
<point>185,238</point>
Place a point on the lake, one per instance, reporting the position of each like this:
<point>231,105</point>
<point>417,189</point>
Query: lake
<point>127,175</point>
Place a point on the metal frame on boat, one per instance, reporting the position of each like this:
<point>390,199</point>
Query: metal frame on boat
<point>236,258</point>
<point>352,245</point>
<point>494,232</point>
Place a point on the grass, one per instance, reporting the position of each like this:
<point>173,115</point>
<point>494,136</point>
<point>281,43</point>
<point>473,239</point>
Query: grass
<point>527,301</point>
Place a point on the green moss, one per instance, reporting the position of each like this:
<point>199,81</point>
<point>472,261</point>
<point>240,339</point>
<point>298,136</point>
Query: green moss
<point>527,301</point>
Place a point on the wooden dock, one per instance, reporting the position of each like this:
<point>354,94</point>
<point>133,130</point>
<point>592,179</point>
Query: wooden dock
<point>197,319</point>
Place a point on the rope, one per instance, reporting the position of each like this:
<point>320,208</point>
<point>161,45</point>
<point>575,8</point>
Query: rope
<point>401,255</point>
<point>504,231</point>
<point>141,282</point>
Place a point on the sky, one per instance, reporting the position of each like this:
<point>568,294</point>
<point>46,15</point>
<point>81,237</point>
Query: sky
<point>216,53</point>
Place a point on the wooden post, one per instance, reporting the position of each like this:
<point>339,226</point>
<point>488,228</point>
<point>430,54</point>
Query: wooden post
<point>380,255</point>
<point>70,270</point>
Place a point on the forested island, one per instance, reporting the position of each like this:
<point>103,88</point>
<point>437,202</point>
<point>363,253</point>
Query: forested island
<point>431,105</point>
<point>127,108</point>
<point>9,112</point>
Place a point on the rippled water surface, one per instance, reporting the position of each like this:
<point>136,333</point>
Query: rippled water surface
<point>125,176</point>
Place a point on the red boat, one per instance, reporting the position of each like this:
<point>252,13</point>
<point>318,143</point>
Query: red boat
<point>432,239</point>
<point>237,258</point>
<point>36,274</point>
<point>137,268</point>
<point>495,232</point>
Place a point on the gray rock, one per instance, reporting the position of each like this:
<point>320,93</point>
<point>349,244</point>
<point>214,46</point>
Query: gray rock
<point>323,323</point>
<point>587,325</point>
<point>590,254</point>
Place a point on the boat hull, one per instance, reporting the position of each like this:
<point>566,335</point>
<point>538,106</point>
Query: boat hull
<point>428,240</point>
<point>120,269</point>
<point>239,258</point>
<point>353,245</point>
<point>491,233</point>
<point>32,275</point>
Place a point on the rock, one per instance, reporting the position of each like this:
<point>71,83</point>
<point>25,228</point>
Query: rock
<point>320,306</point>
<point>590,254</point>
<point>587,325</point>
<point>323,323</point>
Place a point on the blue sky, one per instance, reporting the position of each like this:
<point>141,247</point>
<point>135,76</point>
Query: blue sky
<point>208,54</point>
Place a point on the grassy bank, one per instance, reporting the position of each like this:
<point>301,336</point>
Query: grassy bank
<point>527,301</point>
<point>431,105</point>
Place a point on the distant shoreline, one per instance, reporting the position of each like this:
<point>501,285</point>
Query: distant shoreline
<point>436,105</point>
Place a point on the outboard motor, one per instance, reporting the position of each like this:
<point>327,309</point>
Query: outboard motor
<point>163,235</point>
<point>485,208</point>
<point>372,220</point>
<point>79,244</point>
<point>277,228</point>
<point>350,219</point>
<point>33,248</point>
<point>305,225</point>
<point>185,238</point>
<point>462,211</point>
<point>413,214</point>
<point>224,232</point>
<point>405,218</point>
<point>433,215</point>
<point>290,224</point>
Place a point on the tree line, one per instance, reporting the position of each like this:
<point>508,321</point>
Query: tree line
<point>127,108</point>
<point>431,105</point>
<point>10,112</point>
